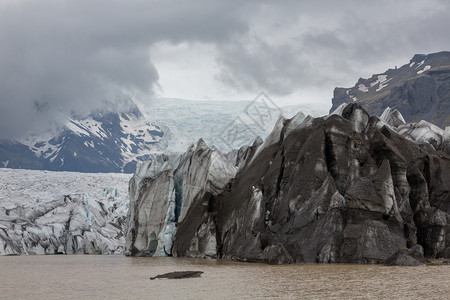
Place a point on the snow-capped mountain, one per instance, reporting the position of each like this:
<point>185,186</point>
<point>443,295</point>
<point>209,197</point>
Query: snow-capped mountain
<point>101,142</point>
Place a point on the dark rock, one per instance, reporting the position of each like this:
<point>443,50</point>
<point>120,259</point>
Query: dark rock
<point>338,189</point>
<point>404,258</point>
<point>178,275</point>
<point>417,251</point>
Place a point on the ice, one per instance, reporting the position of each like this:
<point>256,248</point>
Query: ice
<point>392,117</point>
<point>43,212</point>
<point>338,111</point>
<point>163,191</point>
<point>188,121</point>
<point>294,123</point>
<point>423,133</point>
<point>273,138</point>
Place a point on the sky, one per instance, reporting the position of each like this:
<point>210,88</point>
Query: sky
<point>59,57</point>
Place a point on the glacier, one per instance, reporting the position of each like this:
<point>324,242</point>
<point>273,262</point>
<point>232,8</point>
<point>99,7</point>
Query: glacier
<point>348,187</point>
<point>170,206</point>
<point>45,212</point>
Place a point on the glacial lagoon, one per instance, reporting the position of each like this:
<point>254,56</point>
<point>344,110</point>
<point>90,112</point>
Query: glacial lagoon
<point>120,277</point>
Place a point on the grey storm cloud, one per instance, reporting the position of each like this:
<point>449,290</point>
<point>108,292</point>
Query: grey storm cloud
<point>69,56</point>
<point>60,57</point>
<point>331,43</point>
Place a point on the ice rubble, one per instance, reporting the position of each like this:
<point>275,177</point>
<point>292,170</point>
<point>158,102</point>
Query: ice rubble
<point>44,212</point>
<point>425,134</point>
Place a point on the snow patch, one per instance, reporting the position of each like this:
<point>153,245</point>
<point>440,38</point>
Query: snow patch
<point>421,63</point>
<point>89,144</point>
<point>382,81</point>
<point>427,67</point>
<point>363,88</point>
<point>351,96</point>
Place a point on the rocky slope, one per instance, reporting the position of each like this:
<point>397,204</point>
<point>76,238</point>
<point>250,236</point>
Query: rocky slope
<point>420,90</point>
<point>342,188</point>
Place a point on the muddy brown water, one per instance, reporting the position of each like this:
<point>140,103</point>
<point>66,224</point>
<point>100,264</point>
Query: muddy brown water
<point>120,277</point>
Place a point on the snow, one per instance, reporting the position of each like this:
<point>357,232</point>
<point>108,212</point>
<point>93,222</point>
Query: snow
<point>351,96</point>
<point>412,64</point>
<point>61,211</point>
<point>40,145</point>
<point>382,81</point>
<point>363,88</point>
<point>139,128</point>
<point>380,78</point>
<point>89,144</point>
<point>427,67</point>
<point>71,125</point>
<point>87,126</point>
<point>421,63</point>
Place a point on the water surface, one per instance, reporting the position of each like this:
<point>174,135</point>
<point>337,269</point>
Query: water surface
<point>119,277</point>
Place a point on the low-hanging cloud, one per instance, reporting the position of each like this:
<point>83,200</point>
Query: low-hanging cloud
<point>58,57</point>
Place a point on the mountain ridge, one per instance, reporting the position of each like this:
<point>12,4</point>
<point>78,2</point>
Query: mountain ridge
<point>420,90</point>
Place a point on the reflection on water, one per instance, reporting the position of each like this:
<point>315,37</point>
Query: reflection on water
<point>119,277</point>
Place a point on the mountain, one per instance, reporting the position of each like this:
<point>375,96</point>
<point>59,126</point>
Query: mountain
<point>419,90</point>
<point>104,141</point>
<point>347,188</point>
<point>113,140</point>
